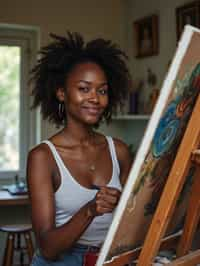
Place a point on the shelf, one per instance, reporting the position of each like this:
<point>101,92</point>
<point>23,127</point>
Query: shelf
<point>132,117</point>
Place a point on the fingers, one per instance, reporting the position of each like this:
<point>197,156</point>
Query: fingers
<point>110,199</point>
<point>107,199</point>
<point>110,190</point>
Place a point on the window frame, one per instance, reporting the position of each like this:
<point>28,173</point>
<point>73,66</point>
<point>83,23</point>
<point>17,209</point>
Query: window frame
<point>27,38</point>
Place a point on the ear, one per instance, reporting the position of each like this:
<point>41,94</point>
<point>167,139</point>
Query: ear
<point>60,94</point>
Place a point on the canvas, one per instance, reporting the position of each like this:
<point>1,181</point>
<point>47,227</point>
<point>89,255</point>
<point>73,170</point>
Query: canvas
<point>157,152</point>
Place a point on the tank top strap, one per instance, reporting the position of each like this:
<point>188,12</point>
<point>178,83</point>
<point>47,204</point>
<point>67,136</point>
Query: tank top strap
<point>113,154</point>
<point>55,154</point>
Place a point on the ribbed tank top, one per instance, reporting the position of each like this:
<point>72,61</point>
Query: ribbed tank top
<point>71,196</point>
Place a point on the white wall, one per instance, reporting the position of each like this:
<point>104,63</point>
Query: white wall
<point>92,18</point>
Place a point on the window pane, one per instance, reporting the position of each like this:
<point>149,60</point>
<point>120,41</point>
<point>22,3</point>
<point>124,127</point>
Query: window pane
<point>9,107</point>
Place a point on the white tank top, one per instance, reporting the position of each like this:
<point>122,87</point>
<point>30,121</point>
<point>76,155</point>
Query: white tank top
<point>71,196</point>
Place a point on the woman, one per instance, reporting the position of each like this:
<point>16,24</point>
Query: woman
<point>75,177</point>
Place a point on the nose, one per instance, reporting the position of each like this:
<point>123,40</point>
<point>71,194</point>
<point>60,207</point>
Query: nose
<point>94,97</point>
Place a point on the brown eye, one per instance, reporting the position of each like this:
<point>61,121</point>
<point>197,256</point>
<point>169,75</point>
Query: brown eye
<point>103,91</point>
<point>84,89</point>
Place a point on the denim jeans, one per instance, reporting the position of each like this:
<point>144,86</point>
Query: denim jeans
<point>72,257</point>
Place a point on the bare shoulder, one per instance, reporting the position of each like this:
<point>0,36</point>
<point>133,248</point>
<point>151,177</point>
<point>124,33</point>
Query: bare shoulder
<point>40,153</point>
<point>40,161</point>
<point>40,166</point>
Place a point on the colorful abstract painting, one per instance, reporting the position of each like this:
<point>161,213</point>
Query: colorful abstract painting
<point>157,152</point>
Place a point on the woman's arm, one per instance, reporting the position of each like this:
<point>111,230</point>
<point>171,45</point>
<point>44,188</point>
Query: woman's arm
<point>54,240</point>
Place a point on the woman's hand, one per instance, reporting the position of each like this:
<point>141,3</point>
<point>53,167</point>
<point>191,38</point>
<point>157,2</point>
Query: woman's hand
<point>105,201</point>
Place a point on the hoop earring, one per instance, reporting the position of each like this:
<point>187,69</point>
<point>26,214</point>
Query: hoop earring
<point>61,108</point>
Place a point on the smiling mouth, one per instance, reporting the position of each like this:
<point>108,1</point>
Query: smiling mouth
<point>93,111</point>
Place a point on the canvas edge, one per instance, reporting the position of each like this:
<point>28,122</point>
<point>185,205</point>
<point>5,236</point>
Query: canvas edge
<point>147,138</point>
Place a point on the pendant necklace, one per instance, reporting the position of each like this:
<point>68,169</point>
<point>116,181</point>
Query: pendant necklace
<point>92,167</point>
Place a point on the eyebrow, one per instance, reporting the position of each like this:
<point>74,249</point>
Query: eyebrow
<point>88,82</point>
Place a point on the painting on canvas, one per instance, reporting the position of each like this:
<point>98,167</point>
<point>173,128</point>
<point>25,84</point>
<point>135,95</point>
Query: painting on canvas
<point>157,152</point>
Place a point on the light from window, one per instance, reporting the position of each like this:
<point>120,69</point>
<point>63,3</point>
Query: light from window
<point>9,107</point>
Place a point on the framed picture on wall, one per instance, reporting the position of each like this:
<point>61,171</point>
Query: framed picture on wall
<point>188,14</point>
<point>146,36</point>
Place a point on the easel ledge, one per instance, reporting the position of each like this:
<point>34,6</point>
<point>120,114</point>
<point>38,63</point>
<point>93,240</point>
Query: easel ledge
<point>126,257</point>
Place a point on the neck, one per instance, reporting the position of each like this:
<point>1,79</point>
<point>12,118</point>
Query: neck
<point>78,134</point>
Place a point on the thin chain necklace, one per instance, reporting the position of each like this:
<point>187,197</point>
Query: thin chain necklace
<point>92,166</point>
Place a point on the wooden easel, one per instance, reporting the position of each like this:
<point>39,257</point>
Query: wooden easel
<point>187,155</point>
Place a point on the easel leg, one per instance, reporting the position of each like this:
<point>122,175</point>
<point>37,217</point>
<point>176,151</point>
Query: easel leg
<point>192,218</point>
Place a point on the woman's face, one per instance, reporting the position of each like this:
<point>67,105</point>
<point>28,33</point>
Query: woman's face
<point>86,93</point>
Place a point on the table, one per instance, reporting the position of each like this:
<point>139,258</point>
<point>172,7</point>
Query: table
<point>6,199</point>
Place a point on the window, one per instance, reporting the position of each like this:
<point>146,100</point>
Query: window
<point>19,126</point>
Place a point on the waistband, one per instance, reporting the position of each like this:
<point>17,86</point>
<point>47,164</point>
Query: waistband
<point>87,248</point>
<point>82,248</point>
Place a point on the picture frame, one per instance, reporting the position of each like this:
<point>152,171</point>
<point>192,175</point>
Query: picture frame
<point>146,36</point>
<point>188,14</point>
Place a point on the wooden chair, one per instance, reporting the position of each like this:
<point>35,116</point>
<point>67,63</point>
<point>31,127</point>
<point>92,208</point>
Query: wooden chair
<point>16,235</point>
